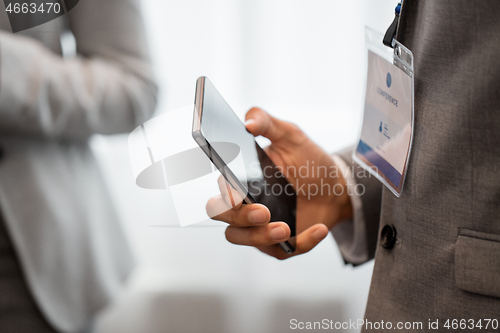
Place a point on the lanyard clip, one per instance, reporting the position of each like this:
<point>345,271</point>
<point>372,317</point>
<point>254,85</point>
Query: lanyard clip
<point>390,34</point>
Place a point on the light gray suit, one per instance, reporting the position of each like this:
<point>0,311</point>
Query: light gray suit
<point>445,263</point>
<point>57,211</point>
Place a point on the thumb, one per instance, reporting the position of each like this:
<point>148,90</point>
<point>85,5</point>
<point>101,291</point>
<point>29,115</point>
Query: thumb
<point>259,122</point>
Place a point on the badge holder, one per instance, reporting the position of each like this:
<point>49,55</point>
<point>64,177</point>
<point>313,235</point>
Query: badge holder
<point>386,136</point>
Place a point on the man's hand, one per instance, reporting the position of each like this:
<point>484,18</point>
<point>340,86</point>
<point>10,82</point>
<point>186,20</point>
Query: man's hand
<point>322,198</point>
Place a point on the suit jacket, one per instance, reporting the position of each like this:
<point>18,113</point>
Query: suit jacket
<point>445,263</point>
<point>57,209</point>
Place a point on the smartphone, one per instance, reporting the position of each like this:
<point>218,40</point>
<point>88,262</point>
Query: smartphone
<point>239,158</point>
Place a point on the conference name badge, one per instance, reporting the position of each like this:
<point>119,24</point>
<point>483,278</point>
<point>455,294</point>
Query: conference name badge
<point>384,145</point>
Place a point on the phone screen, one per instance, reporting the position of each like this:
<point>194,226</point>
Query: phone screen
<point>245,160</point>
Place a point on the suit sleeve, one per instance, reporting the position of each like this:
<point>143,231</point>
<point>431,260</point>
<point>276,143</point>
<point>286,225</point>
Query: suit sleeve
<point>357,238</point>
<point>107,88</point>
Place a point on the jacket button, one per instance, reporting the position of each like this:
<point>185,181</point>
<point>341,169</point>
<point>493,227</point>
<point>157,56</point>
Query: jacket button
<point>388,236</point>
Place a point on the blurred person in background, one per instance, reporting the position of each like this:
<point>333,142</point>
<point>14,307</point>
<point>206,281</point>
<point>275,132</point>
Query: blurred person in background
<point>63,253</point>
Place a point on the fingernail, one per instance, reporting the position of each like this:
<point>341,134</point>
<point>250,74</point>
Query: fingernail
<point>319,234</point>
<point>277,233</point>
<point>257,216</point>
<point>249,121</point>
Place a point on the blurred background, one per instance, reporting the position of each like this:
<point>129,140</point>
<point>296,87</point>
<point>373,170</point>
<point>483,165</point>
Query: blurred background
<point>303,61</point>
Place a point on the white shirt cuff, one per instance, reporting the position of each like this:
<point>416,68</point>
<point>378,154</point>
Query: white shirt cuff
<point>350,234</point>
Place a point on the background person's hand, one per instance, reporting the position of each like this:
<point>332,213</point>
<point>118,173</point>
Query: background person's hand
<point>322,198</point>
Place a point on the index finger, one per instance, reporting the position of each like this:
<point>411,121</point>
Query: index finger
<point>229,194</point>
<point>248,216</point>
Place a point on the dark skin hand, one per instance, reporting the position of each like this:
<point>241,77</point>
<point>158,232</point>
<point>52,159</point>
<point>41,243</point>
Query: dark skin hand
<point>317,211</point>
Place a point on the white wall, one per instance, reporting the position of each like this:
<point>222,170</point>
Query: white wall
<point>300,60</point>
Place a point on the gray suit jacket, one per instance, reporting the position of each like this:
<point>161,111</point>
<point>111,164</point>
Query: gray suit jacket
<point>57,210</point>
<point>445,263</point>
